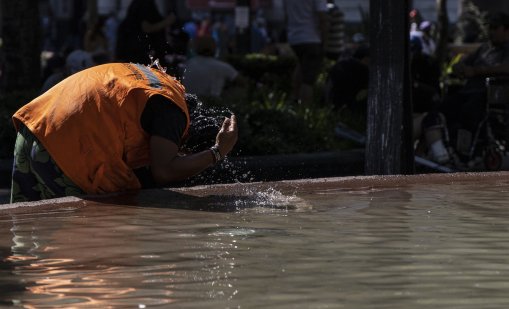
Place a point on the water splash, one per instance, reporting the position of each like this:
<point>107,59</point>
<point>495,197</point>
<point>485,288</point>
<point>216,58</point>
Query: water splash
<point>205,123</point>
<point>155,63</point>
<point>269,199</point>
<point>226,171</point>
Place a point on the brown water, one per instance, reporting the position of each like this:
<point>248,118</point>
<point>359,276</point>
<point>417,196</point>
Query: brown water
<point>380,243</point>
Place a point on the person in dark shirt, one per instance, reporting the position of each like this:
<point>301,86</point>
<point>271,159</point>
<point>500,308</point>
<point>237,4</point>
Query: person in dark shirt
<point>348,81</point>
<point>156,116</point>
<point>142,33</point>
<point>465,108</point>
<point>124,128</point>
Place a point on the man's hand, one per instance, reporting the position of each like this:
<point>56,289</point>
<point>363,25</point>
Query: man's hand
<point>227,136</point>
<point>167,166</point>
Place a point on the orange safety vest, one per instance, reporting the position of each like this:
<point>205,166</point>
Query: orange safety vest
<point>90,123</point>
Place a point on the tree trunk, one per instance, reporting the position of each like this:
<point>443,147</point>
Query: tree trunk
<point>389,147</point>
<point>21,44</point>
<point>443,31</point>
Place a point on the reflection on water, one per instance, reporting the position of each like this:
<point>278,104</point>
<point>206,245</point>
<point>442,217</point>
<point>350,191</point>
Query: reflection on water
<point>433,246</point>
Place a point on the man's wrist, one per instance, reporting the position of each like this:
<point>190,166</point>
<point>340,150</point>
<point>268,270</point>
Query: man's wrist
<point>216,155</point>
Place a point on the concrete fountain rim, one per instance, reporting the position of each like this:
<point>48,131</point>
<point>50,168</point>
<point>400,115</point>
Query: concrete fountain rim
<point>285,186</point>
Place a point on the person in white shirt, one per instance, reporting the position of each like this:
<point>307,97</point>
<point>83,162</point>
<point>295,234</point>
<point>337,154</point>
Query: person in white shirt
<point>423,34</point>
<point>204,75</point>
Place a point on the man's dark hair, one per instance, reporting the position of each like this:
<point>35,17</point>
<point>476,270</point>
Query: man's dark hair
<point>205,123</point>
<point>203,127</point>
<point>192,102</point>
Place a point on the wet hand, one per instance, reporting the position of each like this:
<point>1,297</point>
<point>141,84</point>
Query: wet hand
<point>227,136</point>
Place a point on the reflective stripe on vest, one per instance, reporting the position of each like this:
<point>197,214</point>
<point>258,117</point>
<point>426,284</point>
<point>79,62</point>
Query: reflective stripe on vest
<point>152,78</point>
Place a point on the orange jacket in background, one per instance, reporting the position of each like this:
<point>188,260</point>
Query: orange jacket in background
<point>90,123</point>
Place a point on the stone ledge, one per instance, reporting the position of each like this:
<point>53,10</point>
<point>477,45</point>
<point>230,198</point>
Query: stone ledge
<point>256,168</point>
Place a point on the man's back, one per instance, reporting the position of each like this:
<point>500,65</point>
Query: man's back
<point>303,20</point>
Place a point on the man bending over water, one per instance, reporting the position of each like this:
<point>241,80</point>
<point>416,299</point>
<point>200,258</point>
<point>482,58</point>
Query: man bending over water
<point>110,128</point>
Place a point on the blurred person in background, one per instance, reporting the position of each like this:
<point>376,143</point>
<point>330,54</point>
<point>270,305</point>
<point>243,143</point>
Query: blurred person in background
<point>204,74</point>
<point>335,44</point>
<point>143,33</point>
<point>75,61</point>
<point>307,28</point>
<point>96,43</point>
<point>465,108</point>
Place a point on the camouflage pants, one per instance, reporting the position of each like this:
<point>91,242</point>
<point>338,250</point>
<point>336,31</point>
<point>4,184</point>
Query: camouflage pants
<point>35,175</point>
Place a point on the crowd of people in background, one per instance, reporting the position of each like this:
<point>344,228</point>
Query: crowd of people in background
<point>145,34</point>
<point>314,33</point>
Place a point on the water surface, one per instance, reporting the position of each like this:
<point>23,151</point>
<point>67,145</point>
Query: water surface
<point>413,245</point>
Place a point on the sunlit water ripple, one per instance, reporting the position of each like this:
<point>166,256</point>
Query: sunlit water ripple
<point>409,247</point>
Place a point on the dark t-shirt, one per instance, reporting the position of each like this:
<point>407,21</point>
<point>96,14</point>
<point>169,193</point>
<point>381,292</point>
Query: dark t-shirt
<point>349,77</point>
<point>487,55</point>
<point>162,118</point>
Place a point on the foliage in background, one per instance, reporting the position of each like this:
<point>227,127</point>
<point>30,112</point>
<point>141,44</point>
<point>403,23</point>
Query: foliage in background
<point>471,24</point>
<point>269,121</point>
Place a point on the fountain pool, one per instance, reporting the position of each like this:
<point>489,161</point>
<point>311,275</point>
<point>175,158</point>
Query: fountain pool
<point>423,241</point>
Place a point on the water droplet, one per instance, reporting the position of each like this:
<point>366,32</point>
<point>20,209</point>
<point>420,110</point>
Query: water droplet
<point>156,63</point>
